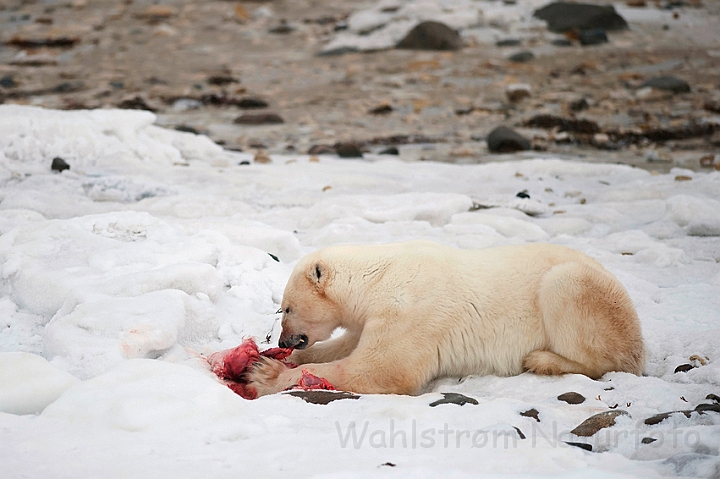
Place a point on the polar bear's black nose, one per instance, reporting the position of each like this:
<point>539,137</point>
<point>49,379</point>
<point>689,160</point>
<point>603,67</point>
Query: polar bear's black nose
<point>297,341</point>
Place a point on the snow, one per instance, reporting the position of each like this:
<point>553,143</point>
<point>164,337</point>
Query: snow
<point>155,248</point>
<point>28,383</point>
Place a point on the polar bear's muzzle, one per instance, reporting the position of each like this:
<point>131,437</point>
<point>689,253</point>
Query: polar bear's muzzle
<point>296,341</point>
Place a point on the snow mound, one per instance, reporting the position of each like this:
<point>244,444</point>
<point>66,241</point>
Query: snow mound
<point>28,383</point>
<point>117,139</point>
<point>145,395</point>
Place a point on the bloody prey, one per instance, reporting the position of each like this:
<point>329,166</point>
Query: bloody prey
<point>232,365</point>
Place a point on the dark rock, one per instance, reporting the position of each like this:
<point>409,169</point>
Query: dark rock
<point>713,397</point>
<point>572,398</point>
<point>668,83</point>
<point>691,129</point>
<point>533,413</point>
<point>221,80</point>
<point>522,57</point>
<point>259,119</point>
<point>326,20</point>
<point>454,398</point>
<point>464,111</point>
<point>249,103</point>
<point>187,129</point>
<point>648,440</point>
<point>581,445</point>
<point>520,433</point>
<point>525,195</point>
<point>431,36</point>
<point>321,150</point>
<point>67,87</point>
<point>579,105</point>
<point>153,80</point>
<point>283,29</point>
<point>274,257</point>
<point>403,140</point>
<point>319,396</point>
<point>711,106</point>
<point>338,51</point>
<point>244,163</point>
<point>683,368</point>
<point>50,42</point>
<point>672,4</point>
<point>381,110</point>
<point>563,124</point>
<point>218,99</point>
<point>562,42</point>
<point>508,42</point>
<point>390,151</point>
<point>658,418</point>
<point>213,99</point>
<point>505,140</point>
<point>135,103</point>
<point>58,164</point>
<point>700,409</point>
<point>388,464</point>
<point>594,423</point>
<point>592,37</point>
<point>8,82</point>
<point>564,16</point>
<point>75,104</point>
<point>348,150</point>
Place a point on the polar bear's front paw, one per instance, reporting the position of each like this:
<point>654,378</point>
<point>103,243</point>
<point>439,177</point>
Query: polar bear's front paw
<point>268,376</point>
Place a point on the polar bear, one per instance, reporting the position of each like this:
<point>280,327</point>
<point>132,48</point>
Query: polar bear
<point>418,310</point>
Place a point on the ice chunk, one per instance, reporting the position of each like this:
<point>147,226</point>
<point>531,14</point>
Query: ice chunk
<point>97,335</point>
<point>700,216</point>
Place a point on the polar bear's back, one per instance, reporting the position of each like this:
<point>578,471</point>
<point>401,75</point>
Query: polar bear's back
<point>480,305</point>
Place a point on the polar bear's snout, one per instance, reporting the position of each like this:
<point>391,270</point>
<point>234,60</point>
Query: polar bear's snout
<point>296,341</point>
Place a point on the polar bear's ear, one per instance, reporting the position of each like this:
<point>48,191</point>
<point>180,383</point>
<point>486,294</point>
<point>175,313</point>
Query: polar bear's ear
<point>319,274</point>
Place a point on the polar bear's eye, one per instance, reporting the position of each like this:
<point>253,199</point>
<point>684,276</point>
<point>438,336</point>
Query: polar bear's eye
<point>287,310</point>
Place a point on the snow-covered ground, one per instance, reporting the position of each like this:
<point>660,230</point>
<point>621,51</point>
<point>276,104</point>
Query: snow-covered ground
<point>156,245</point>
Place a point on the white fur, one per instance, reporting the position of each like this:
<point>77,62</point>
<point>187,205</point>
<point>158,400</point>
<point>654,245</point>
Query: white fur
<point>419,310</point>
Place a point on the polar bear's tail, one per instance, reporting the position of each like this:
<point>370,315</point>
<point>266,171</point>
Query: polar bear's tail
<point>590,324</point>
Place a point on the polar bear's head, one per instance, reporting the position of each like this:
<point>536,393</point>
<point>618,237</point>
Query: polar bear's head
<point>309,312</point>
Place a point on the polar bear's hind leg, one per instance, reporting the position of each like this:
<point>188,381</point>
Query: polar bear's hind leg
<point>590,324</point>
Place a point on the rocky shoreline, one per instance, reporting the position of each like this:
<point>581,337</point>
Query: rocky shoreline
<point>259,77</point>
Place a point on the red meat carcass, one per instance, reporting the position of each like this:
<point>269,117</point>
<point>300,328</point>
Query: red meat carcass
<point>232,365</point>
